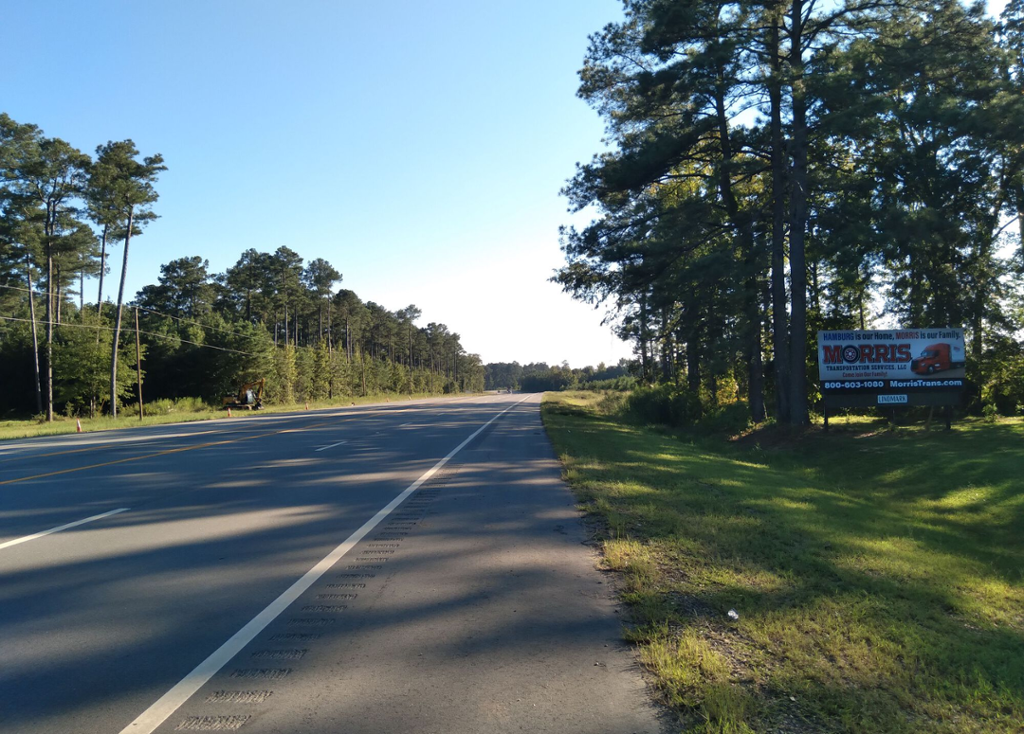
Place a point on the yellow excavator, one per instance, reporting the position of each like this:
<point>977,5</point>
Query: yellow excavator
<point>250,395</point>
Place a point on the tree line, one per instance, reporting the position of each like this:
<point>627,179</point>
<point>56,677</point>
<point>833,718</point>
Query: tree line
<point>270,316</point>
<point>777,167</point>
<point>541,377</point>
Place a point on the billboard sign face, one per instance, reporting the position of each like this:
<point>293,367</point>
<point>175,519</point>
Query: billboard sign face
<point>896,367</point>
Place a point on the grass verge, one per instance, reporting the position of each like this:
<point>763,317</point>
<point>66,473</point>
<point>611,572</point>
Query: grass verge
<point>876,577</point>
<point>167,412</point>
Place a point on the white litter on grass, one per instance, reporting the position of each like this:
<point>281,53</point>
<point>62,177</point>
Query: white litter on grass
<point>733,615</point>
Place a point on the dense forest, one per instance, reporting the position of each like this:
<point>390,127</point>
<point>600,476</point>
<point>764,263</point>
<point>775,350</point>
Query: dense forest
<point>200,334</point>
<point>539,376</point>
<point>779,167</point>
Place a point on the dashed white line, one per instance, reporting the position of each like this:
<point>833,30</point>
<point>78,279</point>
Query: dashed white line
<point>155,715</point>
<point>74,524</point>
<point>324,448</point>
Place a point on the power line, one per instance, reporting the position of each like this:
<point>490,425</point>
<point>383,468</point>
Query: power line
<point>16,288</point>
<point>188,321</point>
<point>169,316</point>
<point>147,333</point>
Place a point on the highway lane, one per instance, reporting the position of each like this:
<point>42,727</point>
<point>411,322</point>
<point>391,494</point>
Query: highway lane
<point>63,461</point>
<point>100,621</point>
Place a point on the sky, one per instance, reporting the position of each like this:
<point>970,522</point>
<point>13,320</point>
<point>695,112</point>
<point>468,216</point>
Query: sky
<point>418,147</point>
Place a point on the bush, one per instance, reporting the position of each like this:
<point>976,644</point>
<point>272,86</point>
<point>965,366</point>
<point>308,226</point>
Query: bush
<point>613,403</point>
<point>167,406</point>
<point>731,418</point>
<point>623,383</point>
<point>669,405</point>
<point>664,404</point>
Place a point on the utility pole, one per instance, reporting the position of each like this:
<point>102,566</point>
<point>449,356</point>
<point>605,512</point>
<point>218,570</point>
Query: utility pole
<point>138,361</point>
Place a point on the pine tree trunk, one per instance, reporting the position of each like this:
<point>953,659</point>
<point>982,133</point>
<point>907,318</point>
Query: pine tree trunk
<point>103,267</point>
<point>798,226</point>
<point>666,348</point>
<point>49,325</point>
<point>645,366</point>
<point>780,320</point>
<point>117,317</point>
<point>693,361</point>
<point>745,236</point>
<point>35,334</point>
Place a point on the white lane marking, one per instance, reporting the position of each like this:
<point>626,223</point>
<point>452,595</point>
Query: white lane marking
<point>405,425</point>
<point>324,448</point>
<point>76,523</point>
<point>155,715</point>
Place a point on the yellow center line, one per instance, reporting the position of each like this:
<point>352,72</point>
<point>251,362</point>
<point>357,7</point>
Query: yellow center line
<point>97,447</point>
<point>158,453</point>
<point>57,453</point>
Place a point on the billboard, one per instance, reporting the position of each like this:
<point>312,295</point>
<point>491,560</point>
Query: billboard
<point>894,367</point>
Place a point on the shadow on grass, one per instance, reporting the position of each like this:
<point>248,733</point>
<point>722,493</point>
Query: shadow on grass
<point>877,579</point>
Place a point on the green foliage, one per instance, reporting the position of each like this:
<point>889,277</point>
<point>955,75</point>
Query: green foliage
<point>82,359</point>
<point>540,377</point>
<point>281,383</point>
<point>665,405</point>
<point>885,167</point>
<point>172,406</point>
<point>269,316</point>
<point>320,377</point>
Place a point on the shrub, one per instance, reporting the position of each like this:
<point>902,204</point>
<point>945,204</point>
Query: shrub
<point>664,404</point>
<point>731,418</point>
<point>167,406</point>
<point>623,383</point>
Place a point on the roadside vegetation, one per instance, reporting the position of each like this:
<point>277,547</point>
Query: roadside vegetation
<point>774,169</point>
<point>866,580</point>
<point>65,350</point>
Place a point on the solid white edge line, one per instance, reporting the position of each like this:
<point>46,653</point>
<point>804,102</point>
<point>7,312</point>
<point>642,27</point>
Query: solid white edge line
<point>76,523</point>
<point>324,448</point>
<point>159,712</point>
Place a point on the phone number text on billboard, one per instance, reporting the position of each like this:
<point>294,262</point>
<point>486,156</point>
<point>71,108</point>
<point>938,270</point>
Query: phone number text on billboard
<point>866,385</point>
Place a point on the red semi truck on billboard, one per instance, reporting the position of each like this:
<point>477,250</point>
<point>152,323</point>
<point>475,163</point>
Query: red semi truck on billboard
<point>937,358</point>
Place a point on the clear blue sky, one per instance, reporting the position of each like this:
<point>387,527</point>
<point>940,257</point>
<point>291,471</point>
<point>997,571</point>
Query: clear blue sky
<point>419,147</point>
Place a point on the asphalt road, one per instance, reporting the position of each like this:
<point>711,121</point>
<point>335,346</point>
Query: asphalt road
<point>412,567</point>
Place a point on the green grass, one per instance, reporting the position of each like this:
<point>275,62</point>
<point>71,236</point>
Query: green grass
<point>165,411</point>
<point>878,575</point>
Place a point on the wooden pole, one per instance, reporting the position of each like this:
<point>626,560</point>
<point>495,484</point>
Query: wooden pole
<point>138,360</point>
